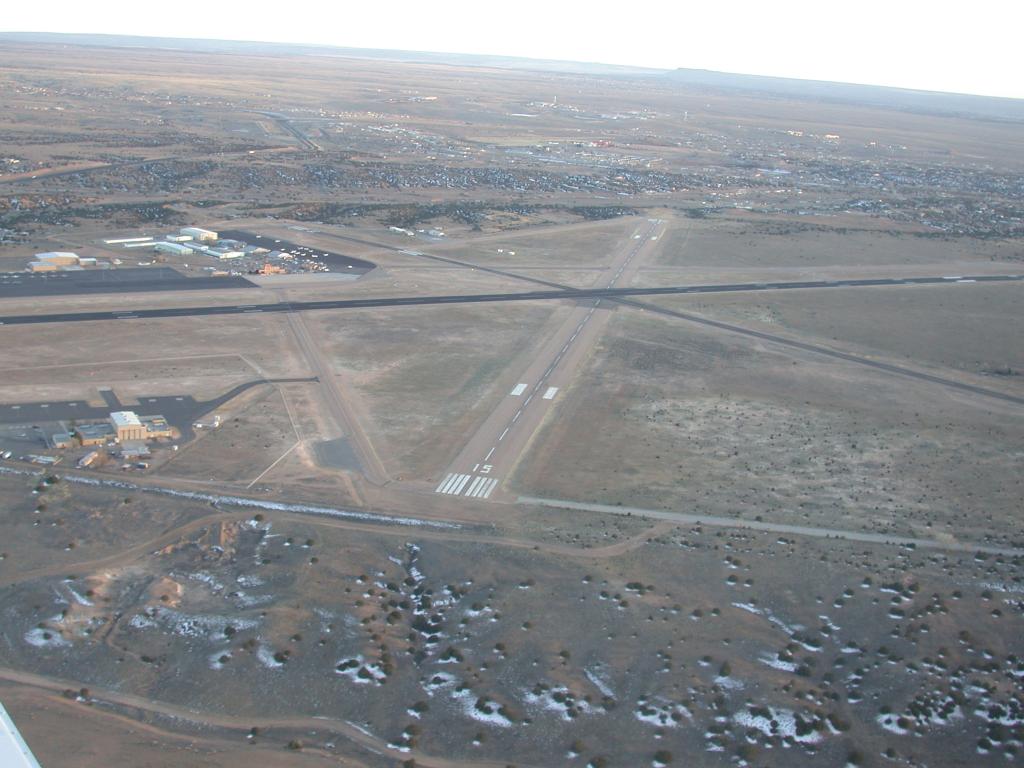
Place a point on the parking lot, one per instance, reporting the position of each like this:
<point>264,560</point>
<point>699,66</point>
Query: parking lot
<point>333,262</point>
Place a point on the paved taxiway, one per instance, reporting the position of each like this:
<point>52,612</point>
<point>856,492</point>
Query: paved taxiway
<point>124,280</point>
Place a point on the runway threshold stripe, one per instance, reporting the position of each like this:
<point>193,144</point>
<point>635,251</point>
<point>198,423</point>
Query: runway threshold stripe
<point>490,487</point>
<point>483,487</point>
<point>462,484</point>
<point>460,481</point>
<point>471,491</point>
<point>443,482</point>
<point>450,484</point>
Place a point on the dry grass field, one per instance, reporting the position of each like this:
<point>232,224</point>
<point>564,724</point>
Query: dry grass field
<point>678,417</point>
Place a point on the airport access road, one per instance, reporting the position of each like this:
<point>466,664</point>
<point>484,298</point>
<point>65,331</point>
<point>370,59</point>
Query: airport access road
<point>736,523</point>
<point>492,452</point>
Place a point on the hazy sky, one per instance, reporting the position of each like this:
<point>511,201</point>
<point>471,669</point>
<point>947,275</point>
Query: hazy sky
<point>968,47</point>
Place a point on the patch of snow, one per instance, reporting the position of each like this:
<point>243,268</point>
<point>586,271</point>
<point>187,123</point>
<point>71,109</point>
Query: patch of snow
<point>215,659</point>
<point>481,710</point>
<point>730,683</point>
<point>359,672</point>
<point>828,623</point>
<point>661,713</point>
<point>558,700</point>
<point>267,658</point>
<point>199,624</point>
<point>80,599</point>
<point>208,579</point>
<point>779,722</point>
<point>141,621</point>
<point>45,638</point>
<point>438,681</point>
<point>599,683</point>
<point>888,722</point>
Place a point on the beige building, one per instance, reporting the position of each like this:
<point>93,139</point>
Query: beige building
<point>59,258</point>
<point>199,234</point>
<point>94,434</point>
<point>128,426</point>
<point>156,427</point>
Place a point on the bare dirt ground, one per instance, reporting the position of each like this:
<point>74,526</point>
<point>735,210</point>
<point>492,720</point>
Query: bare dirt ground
<point>382,645</point>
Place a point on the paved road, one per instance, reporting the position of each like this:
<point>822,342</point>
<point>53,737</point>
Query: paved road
<point>44,173</point>
<point>149,717</point>
<point>758,525</point>
<point>477,298</point>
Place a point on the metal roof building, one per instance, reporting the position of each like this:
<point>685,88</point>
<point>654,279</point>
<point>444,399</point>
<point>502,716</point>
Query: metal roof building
<point>198,233</point>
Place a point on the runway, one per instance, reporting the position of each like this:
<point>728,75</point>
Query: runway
<point>124,280</point>
<point>478,298</point>
<point>492,452</point>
